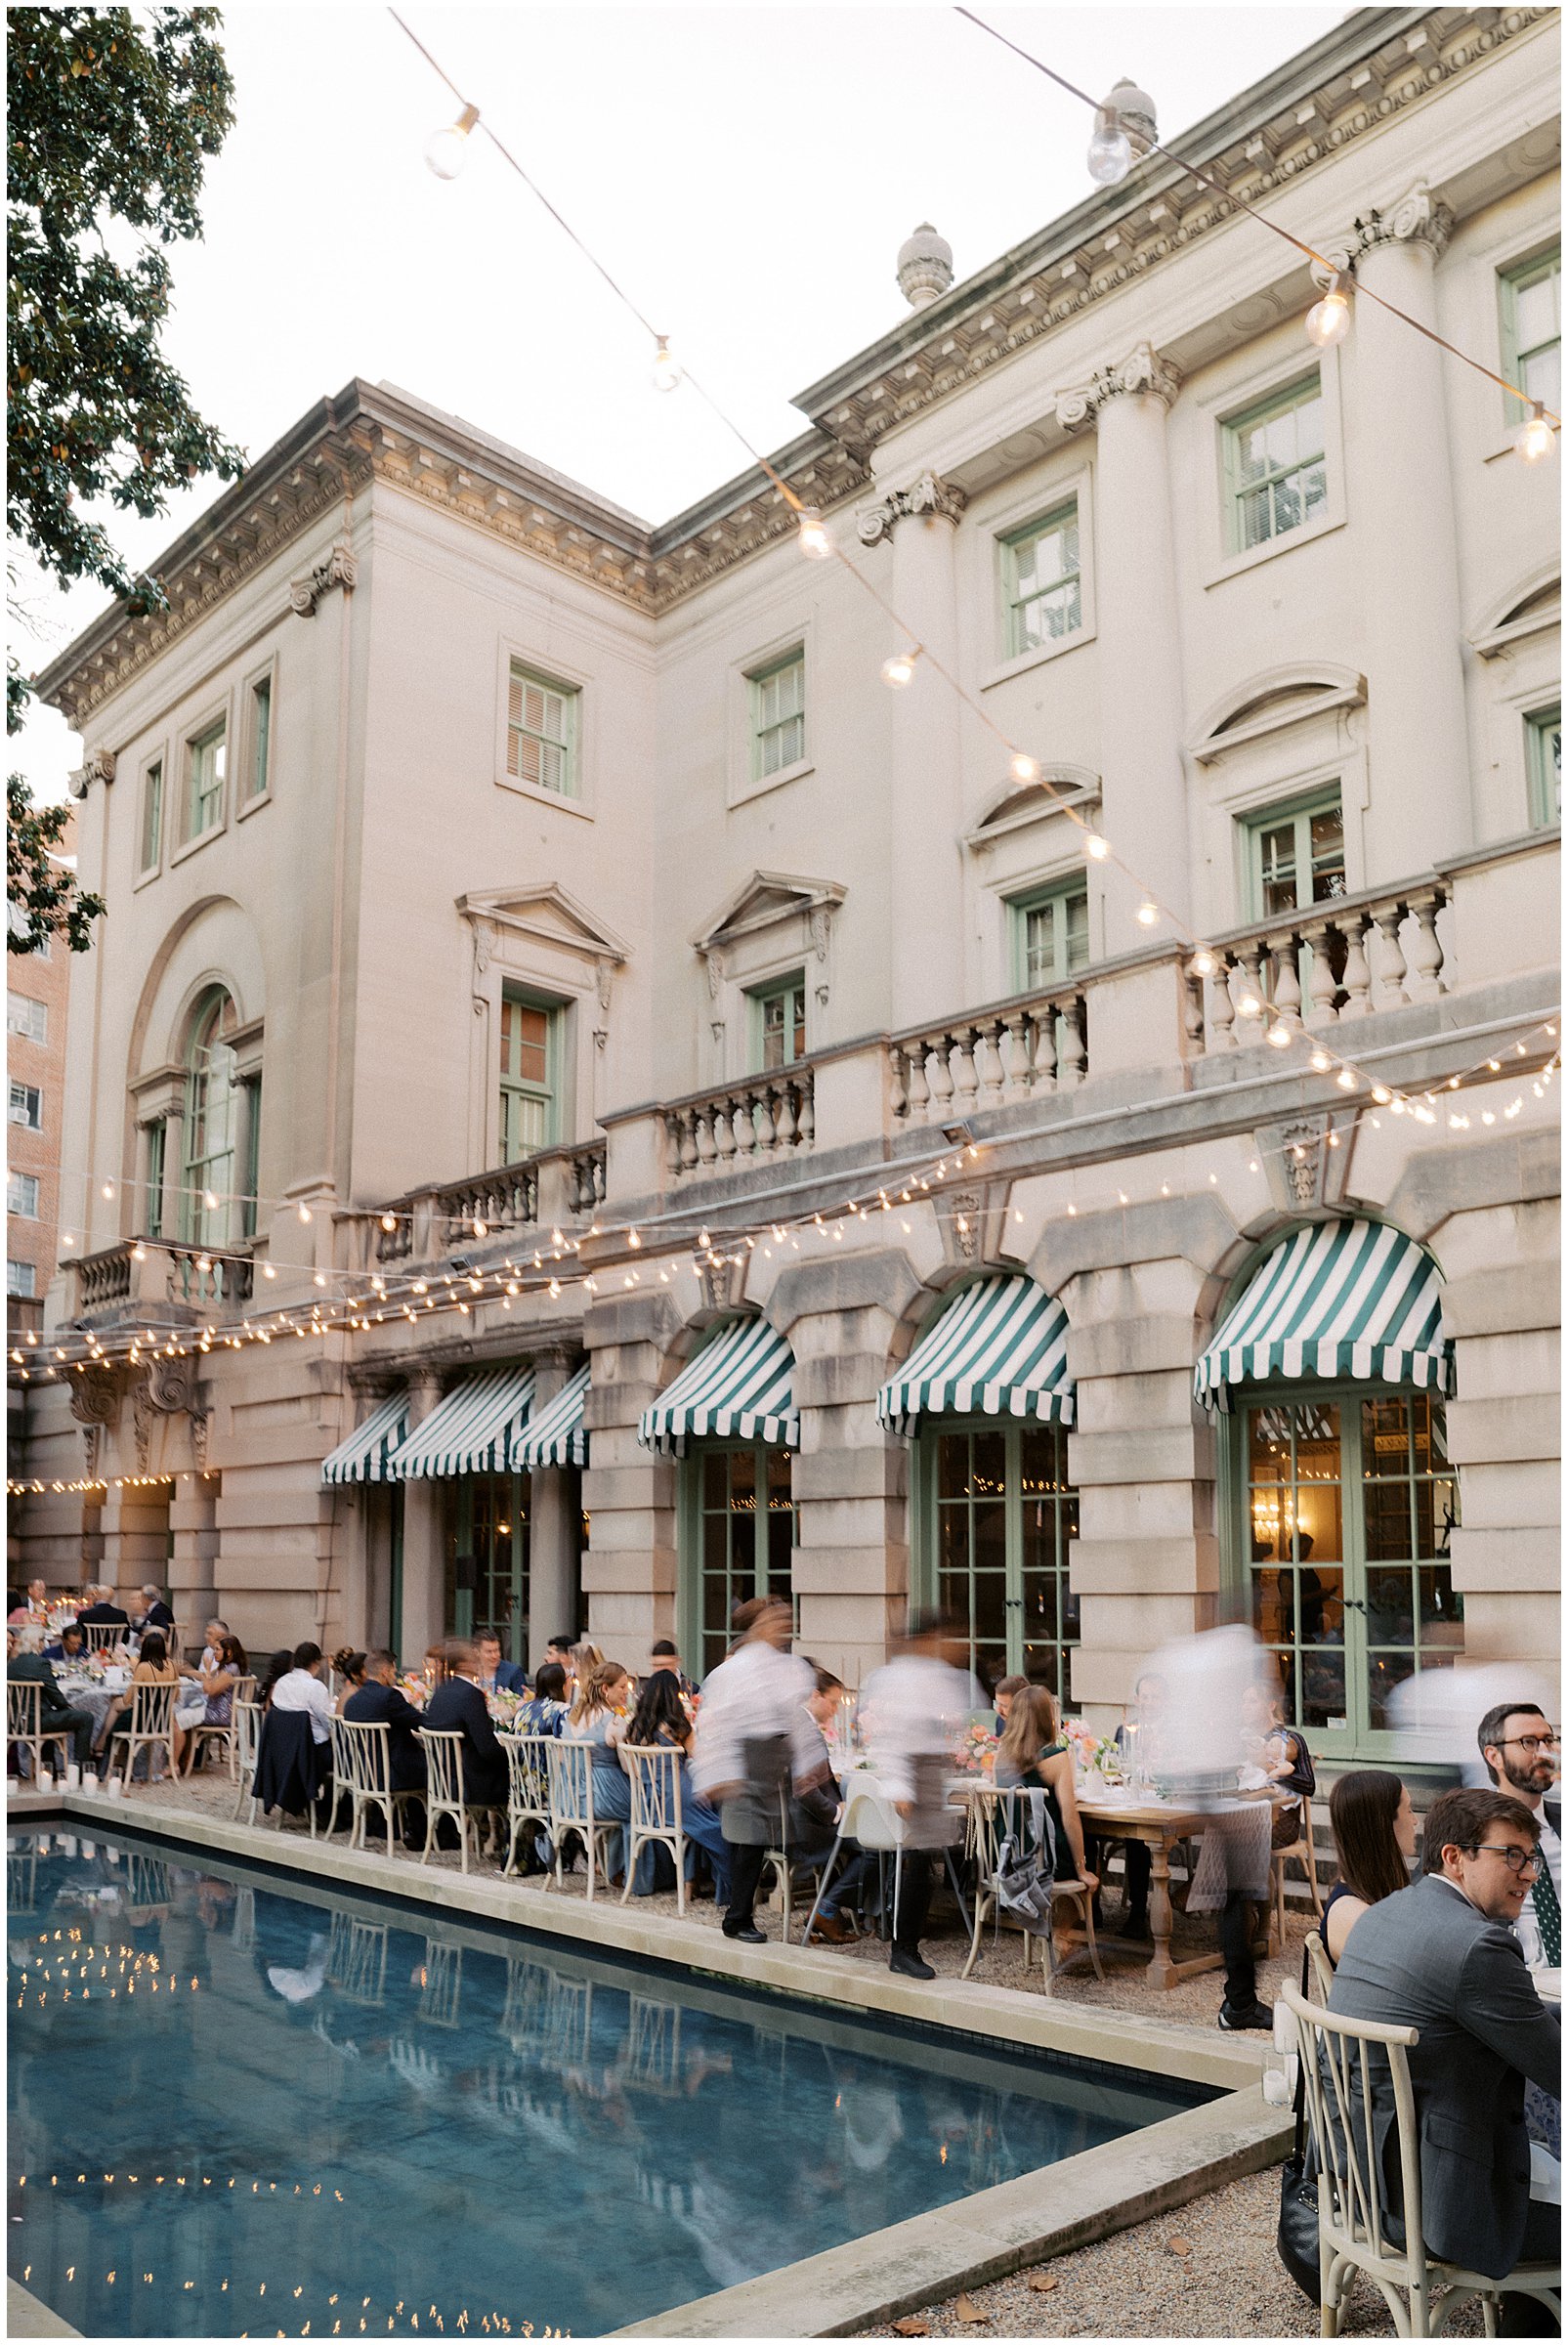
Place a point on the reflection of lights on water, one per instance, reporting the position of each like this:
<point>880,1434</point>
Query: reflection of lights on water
<point>943,2153</point>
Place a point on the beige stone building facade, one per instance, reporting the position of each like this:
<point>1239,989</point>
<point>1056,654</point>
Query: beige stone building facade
<point>507,895</point>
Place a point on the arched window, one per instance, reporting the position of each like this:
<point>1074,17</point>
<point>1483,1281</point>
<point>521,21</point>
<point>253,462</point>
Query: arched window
<point>215,1215</point>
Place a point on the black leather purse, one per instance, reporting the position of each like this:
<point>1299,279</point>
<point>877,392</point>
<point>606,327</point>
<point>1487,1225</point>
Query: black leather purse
<point>1298,2234</point>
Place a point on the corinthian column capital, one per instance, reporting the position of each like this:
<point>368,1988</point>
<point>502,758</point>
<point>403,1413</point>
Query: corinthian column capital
<point>931,499</point>
<point>1143,370</point>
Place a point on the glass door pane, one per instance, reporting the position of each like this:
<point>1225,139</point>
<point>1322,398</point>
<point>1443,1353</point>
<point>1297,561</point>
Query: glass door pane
<point>744,1523</point>
<point>1415,1620</point>
<point>1295,1529</point>
<point>1046,1612</point>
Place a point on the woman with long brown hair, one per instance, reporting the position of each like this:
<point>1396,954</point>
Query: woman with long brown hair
<point>1032,1751</point>
<point>1375,1840</point>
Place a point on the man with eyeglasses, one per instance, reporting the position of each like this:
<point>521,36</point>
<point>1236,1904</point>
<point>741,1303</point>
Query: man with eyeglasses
<point>1442,1958</point>
<point>1520,1751</point>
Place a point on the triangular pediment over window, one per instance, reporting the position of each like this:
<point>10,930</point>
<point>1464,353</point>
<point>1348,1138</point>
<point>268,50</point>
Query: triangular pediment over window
<point>548,914</point>
<point>762,901</point>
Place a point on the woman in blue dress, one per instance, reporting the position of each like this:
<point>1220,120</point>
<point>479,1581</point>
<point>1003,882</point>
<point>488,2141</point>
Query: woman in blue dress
<point>598,1718</point>
<point>659,1721</point>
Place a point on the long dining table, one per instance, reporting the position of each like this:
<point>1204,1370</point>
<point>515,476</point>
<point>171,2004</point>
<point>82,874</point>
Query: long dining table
<point>1159,1825</point>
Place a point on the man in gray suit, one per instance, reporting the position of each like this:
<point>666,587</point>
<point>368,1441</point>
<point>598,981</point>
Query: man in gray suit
<point>1442,1956</point>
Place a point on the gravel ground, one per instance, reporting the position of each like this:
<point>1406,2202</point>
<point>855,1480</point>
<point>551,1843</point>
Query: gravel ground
<point>1229,2283</point>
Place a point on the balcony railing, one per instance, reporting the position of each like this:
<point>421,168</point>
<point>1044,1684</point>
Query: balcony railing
<point>744,1123</point>
<point>423,1224</point>
<point>1327,964</point>
<point>1022,1050</point>
<point>142,1274</point>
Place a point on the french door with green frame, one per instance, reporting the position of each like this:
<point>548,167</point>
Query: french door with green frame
<point>486,1518</point>
<point>737,1531</point>
<point>996,1519</point>
<point>1341,1503</point>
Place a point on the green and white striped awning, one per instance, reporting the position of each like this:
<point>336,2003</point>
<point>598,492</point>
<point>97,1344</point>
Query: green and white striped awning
<point>1000,1350</point>
<point>366,1455</point>
<point>1335,1299</point>
<point>556,1436</point>
<point>741,1386</point>
<point>471,1430</point>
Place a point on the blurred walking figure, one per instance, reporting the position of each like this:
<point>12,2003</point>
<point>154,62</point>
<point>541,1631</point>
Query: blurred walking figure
<point>912,1711</point>
<point>756,1752</point>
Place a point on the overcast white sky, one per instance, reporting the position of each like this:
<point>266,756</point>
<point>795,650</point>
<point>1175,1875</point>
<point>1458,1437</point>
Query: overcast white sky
<point>748,173</point>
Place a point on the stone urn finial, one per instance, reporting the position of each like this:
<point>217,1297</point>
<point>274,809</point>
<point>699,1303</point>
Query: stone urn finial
<point>926,266</point>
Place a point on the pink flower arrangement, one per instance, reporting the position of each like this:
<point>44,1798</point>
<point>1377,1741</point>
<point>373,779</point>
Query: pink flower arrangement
<point>975,1752</point>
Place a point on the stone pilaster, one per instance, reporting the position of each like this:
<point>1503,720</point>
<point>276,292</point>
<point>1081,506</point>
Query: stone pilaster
<point>424,1565</point>
<point>553,1526</point>
<point>629,1574</point>
<point>1136,615</point>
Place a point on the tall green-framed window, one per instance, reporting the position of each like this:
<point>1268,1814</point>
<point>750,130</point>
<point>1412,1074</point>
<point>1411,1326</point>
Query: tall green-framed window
<point>737,1533</point>
<point>211,1123</point>
<point>1276,476</point>
<point>543,732</point>
<point>1296,855</point>
<point>1050,935</point>
<point>153,815</point>
<point>1530,307</point>
<point>207,757</point>
<point>779,1023</point>
<point>486,1519</point>
<point>1346,1503</point>
<point>1543,743</point>
<point>1042,581</point>
<point>997,1517</point>
<point>158,1142</point>
<point>778,715</point>
<point>529,1076</point>
<point>259,778</point>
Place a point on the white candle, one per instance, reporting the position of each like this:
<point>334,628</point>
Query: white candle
<point>74,1777</point>
<point>115,1787</point>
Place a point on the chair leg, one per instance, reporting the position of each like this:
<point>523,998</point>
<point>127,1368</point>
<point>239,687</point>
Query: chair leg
<point>824,1878</point>
<point>974,1942</point>
<point>633,1844</point>
<point>1088,1934</point>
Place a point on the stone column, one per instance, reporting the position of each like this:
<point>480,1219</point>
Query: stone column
<point>552,1526</point>
<point>925,856</point>
<point>424,1565</point>
<point>174,1202</point>
<point>628,1576</point>
<point>193,1578</point>
<point>1401,502</point>
<point>1144,807</point>
<point>136,1541</point>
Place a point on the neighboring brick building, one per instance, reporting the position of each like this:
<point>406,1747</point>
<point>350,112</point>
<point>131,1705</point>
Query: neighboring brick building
<point>37,1007</point>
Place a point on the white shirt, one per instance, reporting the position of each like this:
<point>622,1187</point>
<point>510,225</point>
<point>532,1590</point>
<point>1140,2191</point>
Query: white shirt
<point>914,1708</point>
<point>757,1692</point>
<point>299,1690</point>
<point>1527,1926</point>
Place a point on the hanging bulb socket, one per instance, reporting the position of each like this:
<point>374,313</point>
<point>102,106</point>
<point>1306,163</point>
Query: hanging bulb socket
<point>447,152</point>
<point>1329,320</point>
<point>814,542</point>
<point>1535,439</point>
<point>1110,154</point>
<point>899,670</point>
<point>666,367</point>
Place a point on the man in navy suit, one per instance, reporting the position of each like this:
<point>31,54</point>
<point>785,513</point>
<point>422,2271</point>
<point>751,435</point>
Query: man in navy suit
<point>496,1676</point>
<point>381,1702</point>
<point>457,1703</point>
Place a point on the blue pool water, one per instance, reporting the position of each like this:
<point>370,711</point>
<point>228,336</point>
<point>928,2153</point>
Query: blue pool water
<point>244,2106</point>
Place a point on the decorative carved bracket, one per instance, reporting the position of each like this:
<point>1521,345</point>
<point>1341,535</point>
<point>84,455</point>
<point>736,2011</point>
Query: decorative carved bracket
<point>972,1219</point>
<point>723,1283</point>
<point>1306,1158</point>
<point>340,568</point>
<point>931,499</point>
<point>1143,370</point>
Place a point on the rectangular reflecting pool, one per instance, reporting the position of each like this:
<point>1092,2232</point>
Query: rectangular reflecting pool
<point>243,2105</point>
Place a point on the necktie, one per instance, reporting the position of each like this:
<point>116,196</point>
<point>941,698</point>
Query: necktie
<point>1548,1917</point>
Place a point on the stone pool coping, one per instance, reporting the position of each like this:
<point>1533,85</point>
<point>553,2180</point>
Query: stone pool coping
<point>887,2273</point>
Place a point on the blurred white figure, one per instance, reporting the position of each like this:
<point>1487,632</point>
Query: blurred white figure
<point>755,1748</point>
<point>1436,1712</point>
<point>912,1711</point>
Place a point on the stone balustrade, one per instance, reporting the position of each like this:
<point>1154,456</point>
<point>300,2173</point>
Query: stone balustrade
<point>208,1282</point>
<point>1327,964</point>
<point>145,1274</point>
<point>105,1280</point>
<point>557,1185</point>
<point>991,1058</point>
<point>750,1122</point>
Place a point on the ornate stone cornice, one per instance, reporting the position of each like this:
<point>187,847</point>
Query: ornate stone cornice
<point>1142,370</point>
<point>340,568</point>
<point>1418,217</point>
<point>931,499</point>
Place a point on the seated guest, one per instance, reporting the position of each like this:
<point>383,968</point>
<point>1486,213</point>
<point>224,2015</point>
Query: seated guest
<point>380,1701</point>
<point>1282,1754</point>
<point>102,1611</point>
<point>29,1667</point>
<point>153,1667</point>
<point>69,1646</point>
<point>435,1662</point>
<point>458,1706</point>
<point>665,1658</point>
<point>1442,1958</point>
<point>820,1805</point>
<point>1002,1699</point>
<point>585,1659</point>
<point>303,1686</point>
<point>1374,1838</point>
<point>155,1612</point>
<point>1520,1752</point>
<point>219,1683</point>
<point>547,1705</point>
<point>214,1633</point>
<point>276,1670</point>
<point>496,1676</point>
<point>660,1723</point>
<point>1032,1751</point>
<point>559,1650</point>
<point>348,1667</point>
<point>598,1717</point>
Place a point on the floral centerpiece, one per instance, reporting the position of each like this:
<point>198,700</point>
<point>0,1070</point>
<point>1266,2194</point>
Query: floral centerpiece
<point>1096,1758</point>
<point>503,1706</point>
<point>415,1685</point>
<point>975,1751</point>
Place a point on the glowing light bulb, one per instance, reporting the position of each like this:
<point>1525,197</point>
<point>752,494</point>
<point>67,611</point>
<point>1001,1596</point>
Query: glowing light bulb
<point>389,1220</point>
<point>1095,847</point>
<point>107,1192</point>
<point>1321,1062</point>
<point>1110,154</point>
<point>268,1271</point>
<point>138,1254</point>
<point>1382,1094</point>
<point>1280,1037</point>
<point>900,669</point>
<point>1201,965</point>
<point>1347,1079</point>
<point>1328,321</point>
<point>1023,769</point>
<point>1147,914</point>
<point>447,150</point>
<point>209,1200</point>
<point>814,542</point>
<point>1535,438</point>
<point>304,1212</point>
<point>666,367</point>
<point>1248,1006</point>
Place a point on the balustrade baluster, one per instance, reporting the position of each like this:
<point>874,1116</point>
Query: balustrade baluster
<point>1070,1045</point>
<point>766,1122</point>
<point>898,1095</point>
<point>940,1071</point>
<point>1192,1015</point>
<point>1222,1006</point>
<point>1322,985</point>
<point>706,1146</point>
<point>807,1121</point>
<point>788,1122</point>
<point>1042,1056</point>
<point>1426,950</point>
<point>988,1064</point>
<point>1250,1030</point>
<point>1013,1050</point>
<point>724,1130</point>
<point>745,1124</point>
<point>965,1063</point>
<point>1356,978</point>
<point>1283,951</point>
<point>1388,973</point>
<point>919,1085</point>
